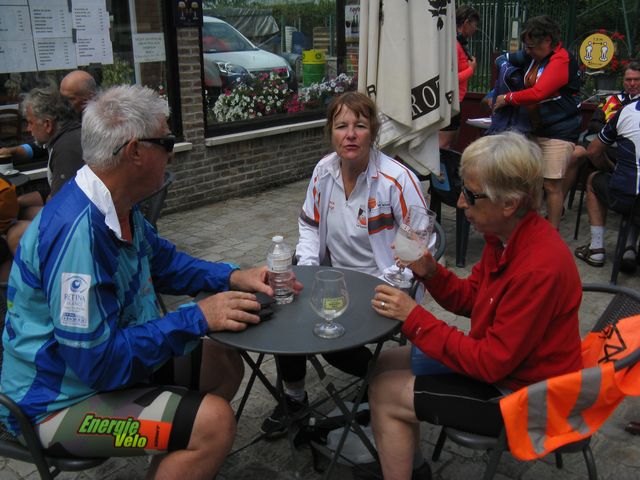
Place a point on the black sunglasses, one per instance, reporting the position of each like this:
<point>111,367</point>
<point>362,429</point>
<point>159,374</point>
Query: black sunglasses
<point>165,142</point>
<point>471,197</point>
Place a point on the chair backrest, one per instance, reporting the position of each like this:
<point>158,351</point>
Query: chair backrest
<point>581,413</point>
<point>449,185</point>
<point>153,204</point>
<point>33,453</point>
<point>10,126</point>
<point>625,303</point>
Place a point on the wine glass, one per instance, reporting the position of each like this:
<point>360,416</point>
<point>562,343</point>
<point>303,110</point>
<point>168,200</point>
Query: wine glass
<point>329,299</point>
<point>412,238</point>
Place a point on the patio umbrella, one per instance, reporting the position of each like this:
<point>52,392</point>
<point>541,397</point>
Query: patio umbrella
<point>407,63</point>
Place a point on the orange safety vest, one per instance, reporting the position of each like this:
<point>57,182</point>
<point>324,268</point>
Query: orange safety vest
<point>8,205</point>
<point>567,408</point>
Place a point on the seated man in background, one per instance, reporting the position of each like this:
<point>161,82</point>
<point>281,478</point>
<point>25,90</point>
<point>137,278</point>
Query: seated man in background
<point>601,115</point>
<point>83,328</point>
<point>613,185</point>
<point>53,123</point>
<point>78,87</point>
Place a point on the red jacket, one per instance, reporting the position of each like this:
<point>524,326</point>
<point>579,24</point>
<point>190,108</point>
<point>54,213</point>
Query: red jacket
<point>523,302</point>
<point>464,71</point>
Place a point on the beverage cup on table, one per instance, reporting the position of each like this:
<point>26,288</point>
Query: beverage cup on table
<point>6,163</point>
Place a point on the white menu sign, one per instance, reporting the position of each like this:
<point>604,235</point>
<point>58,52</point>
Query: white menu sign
<point>55,54</point>
<point>148,47</point>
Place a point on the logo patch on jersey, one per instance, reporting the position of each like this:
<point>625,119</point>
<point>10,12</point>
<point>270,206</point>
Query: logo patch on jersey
<point>74,300</point>
<point>362,218</point>
<point>372,203</point>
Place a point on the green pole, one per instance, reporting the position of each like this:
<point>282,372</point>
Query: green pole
<point>500,40</point>
<point>571,27</point>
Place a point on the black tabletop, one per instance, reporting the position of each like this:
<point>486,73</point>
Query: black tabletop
<point>290,329</point>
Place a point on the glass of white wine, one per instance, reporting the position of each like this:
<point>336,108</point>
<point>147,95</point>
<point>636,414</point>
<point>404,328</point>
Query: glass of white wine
<point>412,239</point>
<point>329,299</point>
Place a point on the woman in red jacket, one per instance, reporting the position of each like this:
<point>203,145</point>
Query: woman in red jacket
<point>551,96</point>
<point>522,298</point>
<point>467,19</point>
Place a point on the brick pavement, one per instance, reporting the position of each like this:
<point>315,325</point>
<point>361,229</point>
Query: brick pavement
<point>240,230</point>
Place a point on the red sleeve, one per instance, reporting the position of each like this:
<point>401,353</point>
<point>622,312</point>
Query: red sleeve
<point>554,76</point>
<point>464,70</point>
<point>518,327</point>
<point>452,293</point>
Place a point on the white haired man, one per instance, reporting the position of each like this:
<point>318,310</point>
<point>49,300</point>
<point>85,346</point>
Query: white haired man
<point>83,328</point>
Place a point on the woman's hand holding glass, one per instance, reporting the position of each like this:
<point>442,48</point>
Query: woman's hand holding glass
<point>411,241</point>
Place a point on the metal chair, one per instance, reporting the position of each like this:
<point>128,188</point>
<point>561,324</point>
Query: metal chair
<point>446,189</point>
<point>626,222</point>
<point>154,203</point>
<point>625,303</point>
<point>48,467</point>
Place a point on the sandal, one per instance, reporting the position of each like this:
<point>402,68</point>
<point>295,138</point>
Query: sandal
<point>585,253</point>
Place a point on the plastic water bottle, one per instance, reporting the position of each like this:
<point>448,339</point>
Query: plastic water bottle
<point>280,272</point>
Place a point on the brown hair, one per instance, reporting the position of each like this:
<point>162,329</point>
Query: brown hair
<point>359,104</point>
<point>540,27</point>
<point>464,13</point>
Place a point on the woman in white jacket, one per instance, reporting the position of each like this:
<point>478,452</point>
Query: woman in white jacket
<point>355,202</point>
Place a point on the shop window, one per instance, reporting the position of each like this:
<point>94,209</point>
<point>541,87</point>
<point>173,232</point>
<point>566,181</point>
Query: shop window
<point>117,42</point>
<point>274,62</point>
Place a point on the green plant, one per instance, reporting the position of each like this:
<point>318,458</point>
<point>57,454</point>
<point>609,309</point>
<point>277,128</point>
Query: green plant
<point>118,73</point>
<point>265,94</point>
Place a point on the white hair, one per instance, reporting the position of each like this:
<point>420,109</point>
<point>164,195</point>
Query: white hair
<point>116,116</point>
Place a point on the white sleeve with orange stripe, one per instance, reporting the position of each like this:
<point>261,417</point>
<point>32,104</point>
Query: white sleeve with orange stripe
<point>308,248</point>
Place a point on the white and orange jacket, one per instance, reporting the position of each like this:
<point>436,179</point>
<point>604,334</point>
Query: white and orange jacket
<point>392,189</point>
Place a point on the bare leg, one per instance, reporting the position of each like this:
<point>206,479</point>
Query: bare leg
<point>597,212</point>
<point>578,157</point>
<point>211,440</point>
<point>393,359</point>
<point>221,370</point>
<point>14,234</point>
<point>555,199</point>
<point>395,426</point>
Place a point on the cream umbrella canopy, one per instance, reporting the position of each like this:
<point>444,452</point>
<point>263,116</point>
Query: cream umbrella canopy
<point>408,65</point>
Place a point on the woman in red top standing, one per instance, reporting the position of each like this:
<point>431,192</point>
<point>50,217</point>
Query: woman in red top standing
<point>551,95</point>
<point>467,19</point>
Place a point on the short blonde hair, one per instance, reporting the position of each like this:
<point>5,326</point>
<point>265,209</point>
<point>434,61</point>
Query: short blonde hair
<point>508,166</point>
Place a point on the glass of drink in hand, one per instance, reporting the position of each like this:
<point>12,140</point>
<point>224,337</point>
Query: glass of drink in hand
<point>329,299</point>
<point>412,239</point>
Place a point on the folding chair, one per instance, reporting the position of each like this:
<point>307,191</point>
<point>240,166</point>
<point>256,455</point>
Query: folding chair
<point>625,303</point>
<point>48,467</point>
<point>446,189</point>
<point>154,203</point>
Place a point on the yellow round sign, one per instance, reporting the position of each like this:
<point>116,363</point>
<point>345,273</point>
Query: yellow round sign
<point>597,50</point>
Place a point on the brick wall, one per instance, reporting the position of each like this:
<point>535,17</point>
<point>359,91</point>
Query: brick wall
<point>210,174</point>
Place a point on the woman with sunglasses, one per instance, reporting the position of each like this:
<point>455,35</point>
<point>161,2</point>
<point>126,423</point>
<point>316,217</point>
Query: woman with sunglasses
<point>522,299</point>
<point>551,96</point>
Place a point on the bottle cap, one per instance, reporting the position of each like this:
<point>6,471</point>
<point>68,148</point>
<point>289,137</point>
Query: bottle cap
<point>277,238</point>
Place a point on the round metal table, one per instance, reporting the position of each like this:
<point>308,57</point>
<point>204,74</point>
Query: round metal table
<point>290,330</point>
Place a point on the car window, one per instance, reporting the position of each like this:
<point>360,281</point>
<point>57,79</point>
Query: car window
<point>220,37</point>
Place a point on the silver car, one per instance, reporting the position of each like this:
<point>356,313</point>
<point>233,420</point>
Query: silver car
<point>228,57</point>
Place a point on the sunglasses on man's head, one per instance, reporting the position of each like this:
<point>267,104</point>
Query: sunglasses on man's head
<point>471,197</point>
<point>165,142</point>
